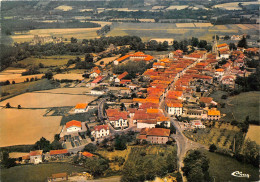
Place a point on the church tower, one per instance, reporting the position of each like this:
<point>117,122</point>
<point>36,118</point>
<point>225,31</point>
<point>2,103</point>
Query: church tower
<point>215,45</point>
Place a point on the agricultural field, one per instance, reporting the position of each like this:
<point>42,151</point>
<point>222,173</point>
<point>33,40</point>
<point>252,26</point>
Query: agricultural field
<point>222,135</point>
<point>70,76</point>
<point>26,126</point>
<point>57,60</point>
<point>221,167</point>
<point>253,133</point>
<point>64,8</point>
<point>59,97</point>
<point>31,172</point>
<point>16,89</point>
<point>240,106</point>
<point>106,60</point>
<point>66,33</point>
<point>14,74</point>
<point>180,31</point>
<point>234,5</point>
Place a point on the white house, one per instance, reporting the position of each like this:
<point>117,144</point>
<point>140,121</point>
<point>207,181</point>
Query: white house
<point>100,131</point>
<point>81,107</point>
<point>36,156</point>
<point>174,108</point>
<point>95,73</point>
<point>98,91</point>
<point>73,126</point>
<point>117,119</point>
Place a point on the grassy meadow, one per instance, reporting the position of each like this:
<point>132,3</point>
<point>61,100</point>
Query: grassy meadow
<point>253,133</point>
<point>37,173</point>
<point>240,106</point>
<point>221,167</point>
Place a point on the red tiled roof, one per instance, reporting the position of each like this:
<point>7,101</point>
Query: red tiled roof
<point>100,127</point>
<point>87,154</point>
<point>158,132</point>
<point>35,152</point>
<point>122,75</point>
<point>206,99</point>
<point>57,152</point>
<point>73,123</point>
<point>222,45</point>
<point>81,106</point>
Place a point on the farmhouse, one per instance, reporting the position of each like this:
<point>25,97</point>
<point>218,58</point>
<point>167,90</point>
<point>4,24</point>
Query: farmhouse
<point>120,77</point>
<point>81,107</point>
<point>100,131</point>
<point>229,81</point>
<point>154,135</point>
<point>206,100</point>
<point>213,114</point>
<point>36,156</point>
<point>73,126</point>
<point>117,118</point>
<point>174,108</point>
<point>138,56</point>
<point>95,73</point>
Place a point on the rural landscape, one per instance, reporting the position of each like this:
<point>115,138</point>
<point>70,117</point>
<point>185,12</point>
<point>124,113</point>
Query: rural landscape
<point>129,90</point>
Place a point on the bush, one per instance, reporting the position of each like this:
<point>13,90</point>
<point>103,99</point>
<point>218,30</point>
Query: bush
<point>212,148</point>
<point>224,97</point>
<point>90,148</point>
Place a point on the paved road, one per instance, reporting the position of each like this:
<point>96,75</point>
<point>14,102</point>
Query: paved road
<point>183,143</point>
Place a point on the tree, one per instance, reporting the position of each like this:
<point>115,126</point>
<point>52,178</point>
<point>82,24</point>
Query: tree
<point>96,166</point>
<point>42,144</point>
<point>242,43</point>
<point>13,82</point>
<point>19,107</point>
<point>89,58</point>
<point>212,148</point>
<point>90,148</point>
<point>217,37</point>
<point>7,82</point>
<point>120,143</point>
<point>194,41</point>
<point>122,106</point>
<point>232,46</point>
<point>172,129</point>
<point>73,40</point>
<point>48,75</point>
<point>6,161</point>
<point>202,44</point>
<point>227,37</point>
<point>8,105</point>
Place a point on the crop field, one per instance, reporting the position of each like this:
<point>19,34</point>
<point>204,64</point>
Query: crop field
<point>234,5</point>
<point>221,167</point>
<point>79,33</point>
<point>180,31</point>
<point>57,60</point>
<point>106,60</point>
<point>70,76</point>
<point>240,106</point>
<point>64,8</point>
<point>26,126</point>
<point>27,173</point>
<point>15,75</point>
<point>221,135</point>
<point>51,98</point>
<point>253,133</point>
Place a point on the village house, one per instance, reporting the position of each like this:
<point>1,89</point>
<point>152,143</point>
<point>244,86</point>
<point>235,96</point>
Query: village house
<point>174,108</point>
<point>154,135</point>
<point>36,156</point>
<point>98,80</point>
<point>228,81</point>
<point>118,119</point>
<point>95,73</point>
<point>81,107</point>
<point>73,126</point>
<point>213,114</point>
<point>98,91</point>
<point>100,131</point>
<point>206,100</point>
<point>137,56</point>
<point>87,154</point>
<point>120,77</point>
<point>194,113</point>
<point>219,73</point>
<point>58,153</point>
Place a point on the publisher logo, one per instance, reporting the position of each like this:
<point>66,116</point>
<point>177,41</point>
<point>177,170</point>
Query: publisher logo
<point>240,174</point>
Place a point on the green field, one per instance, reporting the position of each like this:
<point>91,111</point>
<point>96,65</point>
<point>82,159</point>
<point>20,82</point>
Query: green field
<point>56,60</point>
<point>221,167</point>
<point>240,106</point>
<point>36,173</point>
<point>178,31</point>
<point>222,135</point>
